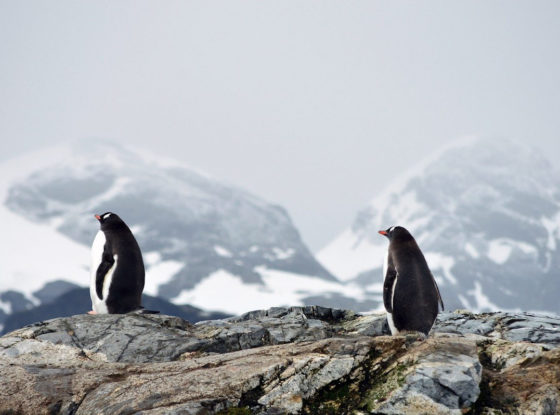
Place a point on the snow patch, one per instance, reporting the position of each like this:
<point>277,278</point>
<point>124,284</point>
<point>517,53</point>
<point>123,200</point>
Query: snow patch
<point>152,258</point>
<point>464,302</point>
<point>552,226</point>
<point>526,248</point>
<point>404,211</point>
<point>376,287</point>
<point>499,251</point>
<point>35,254</point>
<point>282,254</point>
<point>136,229</point>
<point>221,251</point>
<point>160,273</point>
<point>441,262</point>
<point>227,292</point>
<point>5,307</point>
<point>471,250</point>
<point>347,255</point>
<point>483,303</point>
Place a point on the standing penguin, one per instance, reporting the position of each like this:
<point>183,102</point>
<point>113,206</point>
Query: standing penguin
<point>410,292</point>
<point>117,269</point>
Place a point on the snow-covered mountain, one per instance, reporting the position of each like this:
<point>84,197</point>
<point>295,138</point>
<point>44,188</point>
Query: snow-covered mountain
<point>205,243</point>
<point>486,214</point>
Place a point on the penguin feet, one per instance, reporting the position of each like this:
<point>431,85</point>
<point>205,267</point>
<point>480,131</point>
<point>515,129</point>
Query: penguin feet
<point>92,312</point>
<point>412,336</point>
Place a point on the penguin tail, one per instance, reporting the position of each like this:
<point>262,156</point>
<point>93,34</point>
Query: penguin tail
<point>143,311</point>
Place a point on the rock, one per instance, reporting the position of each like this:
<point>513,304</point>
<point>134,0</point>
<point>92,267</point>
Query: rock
<point>530,386</point>
<point>515,327</point>
<point>442,373</point>
<point>297,360</point>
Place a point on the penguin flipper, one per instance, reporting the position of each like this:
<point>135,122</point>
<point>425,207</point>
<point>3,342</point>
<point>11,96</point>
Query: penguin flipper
<point>107,262</point>
<point>388,283</point>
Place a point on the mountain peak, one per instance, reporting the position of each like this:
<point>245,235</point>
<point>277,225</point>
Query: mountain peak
<point>486,214</point>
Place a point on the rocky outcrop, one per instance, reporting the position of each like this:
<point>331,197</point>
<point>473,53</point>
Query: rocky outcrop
<point>299,360</point>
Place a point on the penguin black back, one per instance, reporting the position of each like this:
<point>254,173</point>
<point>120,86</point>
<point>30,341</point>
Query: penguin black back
<point>410,292</point>
<point>117,269</point>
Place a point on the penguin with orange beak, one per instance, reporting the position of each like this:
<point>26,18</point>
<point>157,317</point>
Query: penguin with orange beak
<point>410,293</point>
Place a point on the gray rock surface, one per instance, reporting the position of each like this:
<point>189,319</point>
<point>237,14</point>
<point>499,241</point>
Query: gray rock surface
<point>445,375</point>
<point>308,360</point>
<point>515,327</point>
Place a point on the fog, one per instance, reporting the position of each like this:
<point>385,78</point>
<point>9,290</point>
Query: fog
<point>313,105</point>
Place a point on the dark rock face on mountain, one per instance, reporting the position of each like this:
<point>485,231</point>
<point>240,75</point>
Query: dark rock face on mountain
<point>295,360</point>
<point>52,290</point>
<point>13,302</point>
<point>77,301</point>
<point>487,217</point>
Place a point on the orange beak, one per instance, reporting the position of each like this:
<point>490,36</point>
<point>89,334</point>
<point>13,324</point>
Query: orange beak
<point>97,217</point>
<point>383,232</point>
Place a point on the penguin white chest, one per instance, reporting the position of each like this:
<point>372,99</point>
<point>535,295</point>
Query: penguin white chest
<point>99,305</point>
<point>390,321</point>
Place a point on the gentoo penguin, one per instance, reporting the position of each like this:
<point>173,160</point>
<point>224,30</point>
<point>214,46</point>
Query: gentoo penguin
<point>117,269</point>
<point>410,292</point>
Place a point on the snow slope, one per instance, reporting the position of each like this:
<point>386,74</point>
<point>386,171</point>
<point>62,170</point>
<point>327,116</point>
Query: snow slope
<point>32,253</point>
<point>227,292</point>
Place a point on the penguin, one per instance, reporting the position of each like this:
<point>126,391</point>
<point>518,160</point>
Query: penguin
<point>410,292</point>
<point>117,270</point>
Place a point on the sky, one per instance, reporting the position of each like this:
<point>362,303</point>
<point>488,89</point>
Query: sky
<point>313,105</point>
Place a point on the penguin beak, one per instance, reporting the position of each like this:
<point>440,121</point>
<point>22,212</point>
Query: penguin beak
<point>97,217</point>
<point>383,233</point>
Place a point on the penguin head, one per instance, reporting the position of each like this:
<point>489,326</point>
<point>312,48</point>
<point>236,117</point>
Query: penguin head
<point>109,220</point>
<point>393,231</point>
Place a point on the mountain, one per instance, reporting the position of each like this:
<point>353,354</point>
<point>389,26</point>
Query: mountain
<point>206,243</point>
<point>486,215</point>
<point>14,304</point>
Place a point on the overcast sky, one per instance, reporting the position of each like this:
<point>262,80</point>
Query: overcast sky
<point>314,105</point>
